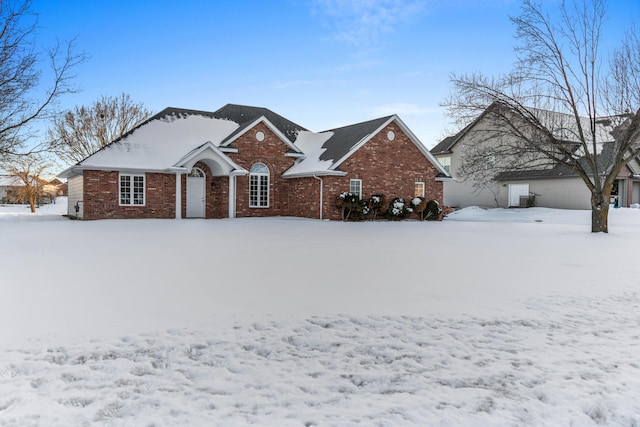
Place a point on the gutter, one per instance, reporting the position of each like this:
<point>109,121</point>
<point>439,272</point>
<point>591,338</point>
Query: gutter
<point>321,190</point>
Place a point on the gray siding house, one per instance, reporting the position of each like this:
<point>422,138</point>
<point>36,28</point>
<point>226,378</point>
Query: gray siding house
<point>542,185</point>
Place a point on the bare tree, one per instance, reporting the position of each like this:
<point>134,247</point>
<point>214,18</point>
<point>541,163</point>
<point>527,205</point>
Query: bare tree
<point>77,134</point>
<point>28,168</point>
<point>24,100</point>
<point>565,104</point>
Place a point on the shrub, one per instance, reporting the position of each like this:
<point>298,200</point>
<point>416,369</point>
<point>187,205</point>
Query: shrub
<point>378,205</point>
<point>397,209</point>
<point>419,205</point>
<point>432,211</point>
<point>352,206</point>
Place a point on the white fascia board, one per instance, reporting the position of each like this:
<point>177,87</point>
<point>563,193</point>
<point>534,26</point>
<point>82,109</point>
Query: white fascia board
<point>77,170</point>
<point>273,129</point>
<point>208,145</point>
<point>228,149</point>
<point>68,172</point>
<point>295,155</point>
<point>446,179</point>
<point>312,174</point>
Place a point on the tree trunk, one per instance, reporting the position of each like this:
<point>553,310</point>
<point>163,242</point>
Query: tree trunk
<point>599,212</point>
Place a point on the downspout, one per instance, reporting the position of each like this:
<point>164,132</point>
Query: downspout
<point>321,189</point>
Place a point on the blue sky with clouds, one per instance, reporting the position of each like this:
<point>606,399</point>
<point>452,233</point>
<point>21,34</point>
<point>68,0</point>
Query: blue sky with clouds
<point>320,63</point>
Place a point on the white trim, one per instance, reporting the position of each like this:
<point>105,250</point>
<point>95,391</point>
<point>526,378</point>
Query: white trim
<point>321,191</point>
<point>312,174</point>
<point>132,189</point>
<point>359,181</point>
<point>178,195</point>
<point>232,196</point>
<point>424,188</point>
<point>193,155</point>
<point>259,195</point>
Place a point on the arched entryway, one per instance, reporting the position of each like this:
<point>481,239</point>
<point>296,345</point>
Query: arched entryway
<point>196,193</point>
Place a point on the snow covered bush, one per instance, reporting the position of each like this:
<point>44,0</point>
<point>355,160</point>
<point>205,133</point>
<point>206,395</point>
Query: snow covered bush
<point>419,205</point>
<point>378,205</point>
<point>352,206</point>
<point>426,209</point>
<point>432,211</point>
<point>398,209</point>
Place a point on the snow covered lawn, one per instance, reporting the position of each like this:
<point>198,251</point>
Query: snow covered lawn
<point>492,317</point>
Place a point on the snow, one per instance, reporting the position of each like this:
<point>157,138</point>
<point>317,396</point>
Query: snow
<point>160,143</point>
<point>10,181</point>
<point>492,317</point>
<point>311,144</point>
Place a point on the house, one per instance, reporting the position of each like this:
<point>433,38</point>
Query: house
<point>55,187</point>
<point>538,183</point>
<point>10,186</point>
<point>242,161</point>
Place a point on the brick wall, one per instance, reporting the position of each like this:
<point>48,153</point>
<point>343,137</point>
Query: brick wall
<point>387,167</point>
<point>101,198</point>
<point>271,151</point>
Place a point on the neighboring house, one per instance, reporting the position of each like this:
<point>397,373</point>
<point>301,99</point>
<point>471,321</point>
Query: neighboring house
<point>544,185</point>
<point>242,161</point>
<point>9,186</point>
<point>55,187</point>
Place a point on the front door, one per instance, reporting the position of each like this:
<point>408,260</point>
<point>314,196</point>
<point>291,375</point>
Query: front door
<point>195,194</point>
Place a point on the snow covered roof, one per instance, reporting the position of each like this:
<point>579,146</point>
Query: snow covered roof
<point>160,142</point>
<point>175,137</point>
<point>10,181</point>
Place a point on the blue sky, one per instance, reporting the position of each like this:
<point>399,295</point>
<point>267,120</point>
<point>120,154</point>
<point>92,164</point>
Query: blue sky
<point>320,63</point>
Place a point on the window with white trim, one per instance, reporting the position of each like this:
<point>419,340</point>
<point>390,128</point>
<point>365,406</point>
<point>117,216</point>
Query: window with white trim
<point>355,187</point>
<point>131,190</point>
<point>446,163</point>
<point>259,186</point>
<point>419,189</point>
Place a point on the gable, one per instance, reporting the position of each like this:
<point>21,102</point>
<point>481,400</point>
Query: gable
<point>331,148</point>
<point>245,116</point>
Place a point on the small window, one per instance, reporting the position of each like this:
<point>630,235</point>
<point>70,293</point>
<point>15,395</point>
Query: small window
<point>196,173</point>
<point>131,190</point>
<point>446,163</point>
<point>355,187</point>
<point>491,162</point>
<point>419,189</point>
<point>259,186</point>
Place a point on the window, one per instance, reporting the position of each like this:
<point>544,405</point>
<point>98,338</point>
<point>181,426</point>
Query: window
<point>491,161</point>
<point>419,189</point>
<point>196,173</point>
<point>355,187</point>
<point>131,190</point>
<point>446,163</point>
<point>259,186</point>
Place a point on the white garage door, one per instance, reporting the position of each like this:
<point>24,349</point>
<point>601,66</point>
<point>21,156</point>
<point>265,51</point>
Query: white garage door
<point>515,191</point>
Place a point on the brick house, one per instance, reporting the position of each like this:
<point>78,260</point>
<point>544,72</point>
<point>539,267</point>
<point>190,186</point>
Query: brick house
<point>242,161</point>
